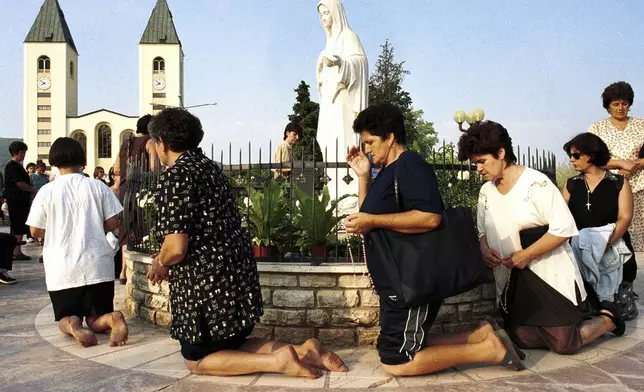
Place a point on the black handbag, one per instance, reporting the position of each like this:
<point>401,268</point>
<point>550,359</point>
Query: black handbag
<point>418,269</point>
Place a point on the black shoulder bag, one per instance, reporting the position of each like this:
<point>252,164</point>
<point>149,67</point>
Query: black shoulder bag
<point>428,267</point>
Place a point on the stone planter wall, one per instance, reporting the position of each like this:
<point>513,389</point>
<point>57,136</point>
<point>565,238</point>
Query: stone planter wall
<point>333,303</point>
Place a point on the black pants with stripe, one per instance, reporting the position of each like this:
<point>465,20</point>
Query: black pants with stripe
<point>403,330</point>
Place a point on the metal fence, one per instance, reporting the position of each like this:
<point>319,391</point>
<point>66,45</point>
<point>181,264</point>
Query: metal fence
<point>287,217</point>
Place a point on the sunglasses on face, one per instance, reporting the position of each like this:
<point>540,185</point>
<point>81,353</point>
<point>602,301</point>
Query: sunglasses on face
<point>575,155</point>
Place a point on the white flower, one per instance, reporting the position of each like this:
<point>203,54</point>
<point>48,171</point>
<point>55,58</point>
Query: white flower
<point>247,202</point>
<point>145,238</point>
<point>143,202</point>
<point>463,175</point>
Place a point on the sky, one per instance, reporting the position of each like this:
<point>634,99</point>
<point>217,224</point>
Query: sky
<point>537,67</point>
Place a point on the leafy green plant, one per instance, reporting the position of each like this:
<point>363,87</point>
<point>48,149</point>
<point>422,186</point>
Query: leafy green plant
<point>266,213</point>
<point>315,218</point>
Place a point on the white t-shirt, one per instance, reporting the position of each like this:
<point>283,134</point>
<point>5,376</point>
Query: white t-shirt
<point>533,201</point>
<point>72,210</point>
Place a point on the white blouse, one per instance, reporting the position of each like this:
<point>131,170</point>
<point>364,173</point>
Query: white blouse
<point>533,201</point>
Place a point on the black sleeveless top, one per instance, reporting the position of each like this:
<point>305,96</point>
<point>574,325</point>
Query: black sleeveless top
<point>604,202</point>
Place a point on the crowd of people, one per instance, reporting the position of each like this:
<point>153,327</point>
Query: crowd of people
<point>563,261</point>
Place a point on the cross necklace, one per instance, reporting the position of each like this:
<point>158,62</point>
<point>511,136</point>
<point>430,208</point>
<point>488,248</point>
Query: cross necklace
<point>588,191</point>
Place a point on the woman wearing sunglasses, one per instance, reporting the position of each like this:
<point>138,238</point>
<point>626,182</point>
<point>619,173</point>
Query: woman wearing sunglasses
<point>597,198</point>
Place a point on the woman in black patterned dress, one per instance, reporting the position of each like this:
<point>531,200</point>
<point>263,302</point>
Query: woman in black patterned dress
<point>206,255</point>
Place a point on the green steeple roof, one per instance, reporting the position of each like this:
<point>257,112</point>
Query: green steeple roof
<point>160,29</point>
<point>50,26</point>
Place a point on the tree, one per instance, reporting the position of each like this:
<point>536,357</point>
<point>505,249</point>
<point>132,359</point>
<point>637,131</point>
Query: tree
<point>306,113</point>
<point>385,85</point>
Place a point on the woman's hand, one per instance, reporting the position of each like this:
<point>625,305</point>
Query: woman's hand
<point>359,223</point>
<point>157,273</point>
<point>492,258</point>
<point>359,162</point>
<point>625,173</point>
<point>519,259</point>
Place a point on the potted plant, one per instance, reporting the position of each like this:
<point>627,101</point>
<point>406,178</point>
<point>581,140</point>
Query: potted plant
<point>316,220</point>
<point>266,212</point>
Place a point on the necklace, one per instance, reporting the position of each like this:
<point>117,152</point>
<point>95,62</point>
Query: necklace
<point>587,194</point>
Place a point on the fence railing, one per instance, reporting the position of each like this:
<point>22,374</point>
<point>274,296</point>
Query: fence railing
<point>287,215</point>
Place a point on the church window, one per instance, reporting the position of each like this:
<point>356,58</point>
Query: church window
<point>44,131</point>
<point>158,65</point>
<point>158,107</point>
<point>104,141</point>
<point>44,119</point>
<point>158,95</point>
<point>44,144</point>
<point>44,107</point>
<point>44,95</point>
<point>80,137</point>
<point>43,156</point>
<point>44,64</point>
<point>71,69</point>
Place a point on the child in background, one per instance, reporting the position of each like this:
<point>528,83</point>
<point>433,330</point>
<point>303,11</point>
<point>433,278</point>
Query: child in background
<point>73,214</point>
<point>39,178</point>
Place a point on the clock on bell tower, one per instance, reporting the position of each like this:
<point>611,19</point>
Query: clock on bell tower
<point>160,63</point>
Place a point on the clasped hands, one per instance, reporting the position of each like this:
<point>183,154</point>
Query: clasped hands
<point>157,273</point>
<point>519,259</point>
<point>630,166</point>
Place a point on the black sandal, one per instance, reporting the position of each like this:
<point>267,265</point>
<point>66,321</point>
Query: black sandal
<point>512,359</point>
<point>497,327</point>
<point>608,309</point>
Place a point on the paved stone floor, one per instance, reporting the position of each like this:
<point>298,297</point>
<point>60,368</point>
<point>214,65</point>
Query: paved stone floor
<point>34,356</point>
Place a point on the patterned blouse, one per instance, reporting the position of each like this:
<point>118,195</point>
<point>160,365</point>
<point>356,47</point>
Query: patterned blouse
<point>217,284</point>
<point>624,144</point>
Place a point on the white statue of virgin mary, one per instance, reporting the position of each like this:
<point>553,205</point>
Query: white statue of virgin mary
<point>343,86</point>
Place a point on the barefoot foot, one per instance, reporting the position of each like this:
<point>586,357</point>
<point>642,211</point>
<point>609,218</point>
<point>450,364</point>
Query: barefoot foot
<point>84,337</point>
<point>290,364</point>
<point>118,336</point>
<point>315,355</point>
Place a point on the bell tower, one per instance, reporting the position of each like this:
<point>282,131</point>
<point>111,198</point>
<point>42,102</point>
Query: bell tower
<point>50,81</point>
<point>160,63</point>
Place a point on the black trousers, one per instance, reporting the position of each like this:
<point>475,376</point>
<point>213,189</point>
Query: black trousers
<point>7,243</point>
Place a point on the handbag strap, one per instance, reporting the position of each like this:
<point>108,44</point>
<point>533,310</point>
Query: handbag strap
<point>397,192</point>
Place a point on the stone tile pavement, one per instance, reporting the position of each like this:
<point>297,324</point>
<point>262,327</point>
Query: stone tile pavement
<point>34,356</point>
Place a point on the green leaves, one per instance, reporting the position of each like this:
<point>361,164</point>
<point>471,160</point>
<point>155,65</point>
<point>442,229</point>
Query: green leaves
<point>266,212</point>
<point>385,85</point>
<point>315,217</point>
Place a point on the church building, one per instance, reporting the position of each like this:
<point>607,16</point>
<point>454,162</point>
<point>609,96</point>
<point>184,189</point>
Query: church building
<point>51,63</point>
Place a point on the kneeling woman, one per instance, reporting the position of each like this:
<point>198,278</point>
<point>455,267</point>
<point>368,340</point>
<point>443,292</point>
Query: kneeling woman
<point>524,226</point>
<point>214,284</point>
<point>602,204</point>
<point>405,346</point>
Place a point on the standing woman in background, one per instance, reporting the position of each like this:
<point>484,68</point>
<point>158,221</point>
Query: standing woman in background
<point>137,150</point>
<point>624,136</point>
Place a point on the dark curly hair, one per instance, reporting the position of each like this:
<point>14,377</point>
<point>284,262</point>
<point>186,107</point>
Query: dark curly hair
<point>67,152</point>
<point>179,129</point>
<point>16,147</point>
<point>487,137</point>
<point>618,91</point>
<point>142,124</point>
<point>381,120</point>
<point>591,145</point>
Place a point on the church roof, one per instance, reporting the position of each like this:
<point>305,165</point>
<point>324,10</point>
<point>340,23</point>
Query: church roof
<point>50,26</point>
<point>160,28</point>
